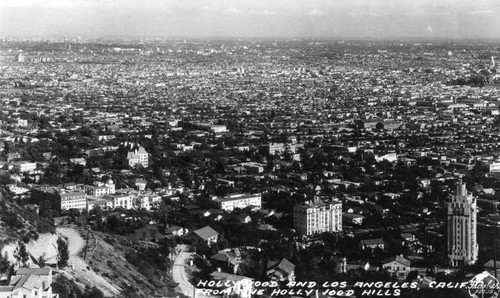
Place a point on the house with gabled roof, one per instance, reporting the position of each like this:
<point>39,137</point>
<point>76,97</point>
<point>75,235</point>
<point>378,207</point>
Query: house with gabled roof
<point>372,243</point>
<point>283,270</point>
<point>203,237</point>
<point>398,266</point>
<point>30,283</point>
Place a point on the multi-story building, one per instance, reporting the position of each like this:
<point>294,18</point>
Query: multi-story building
<point>146,201</point>
<point>138,156</point>
<point>280,148</point>
<point>123,200</point>
<point>100,189</point>
<point>20,58</point>
<point>60,198</point>
<point>462,229</point>
<point>276,148</point>
<point>318,217</point>
<point>22,122</point>
<point>210,127</point>
<point>233,201</point>
<point>253,167</point>
<point>73,200</point>
<point>25,167</point>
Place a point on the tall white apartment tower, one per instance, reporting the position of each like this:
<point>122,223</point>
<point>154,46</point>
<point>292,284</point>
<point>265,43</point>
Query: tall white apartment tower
<point>318,217</point>
<point>462,229</point>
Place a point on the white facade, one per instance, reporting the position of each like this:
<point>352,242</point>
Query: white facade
<point>100,189</point>
<point>398,269</point>
<point>146,201</point>
<point>276,148</point>
<point>26,166</point>
<point>29,283</point>
<point>119,200</point>
<point>138,156</point>
<point>73,200</point>
<point>318,217</point>
<point>462,230</point>
<point>233,201</point>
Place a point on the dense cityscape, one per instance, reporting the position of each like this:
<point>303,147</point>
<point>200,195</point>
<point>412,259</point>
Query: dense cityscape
<point>248,167</point>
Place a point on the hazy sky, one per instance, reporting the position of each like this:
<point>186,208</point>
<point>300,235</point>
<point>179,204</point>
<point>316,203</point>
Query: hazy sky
<point>250,18</point>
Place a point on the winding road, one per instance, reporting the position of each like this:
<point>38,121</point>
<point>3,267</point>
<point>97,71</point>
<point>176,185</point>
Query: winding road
<point>179,271</point>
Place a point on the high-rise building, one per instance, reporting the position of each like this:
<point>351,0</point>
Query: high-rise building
<point>318,217</point>
<point>462,229</point>
<point>20,58</point>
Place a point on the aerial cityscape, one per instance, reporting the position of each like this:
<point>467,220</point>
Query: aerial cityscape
<point>279,164</point>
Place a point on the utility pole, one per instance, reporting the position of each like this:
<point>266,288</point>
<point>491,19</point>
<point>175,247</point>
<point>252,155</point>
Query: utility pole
<point>495,250</point>
<point>86,244</point>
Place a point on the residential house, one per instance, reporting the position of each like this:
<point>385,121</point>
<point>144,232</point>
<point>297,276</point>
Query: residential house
<point>372,243</point>
<point>175,231</point>
<point>137,156</point>
<point>151,232</point>
<point>397,266</point>
<point>29,283</point>
<point>203,237</point>
<point>283,270</point>
<point>352,219</point>
<point>353,265</point>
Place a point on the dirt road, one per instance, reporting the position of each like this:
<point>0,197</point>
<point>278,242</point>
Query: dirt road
<point>179,273</point>
<point>46,245</point>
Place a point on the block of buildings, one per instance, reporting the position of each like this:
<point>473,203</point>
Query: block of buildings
<point>233,201</point>
<point>60,198</point>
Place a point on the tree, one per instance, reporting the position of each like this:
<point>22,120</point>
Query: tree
<point>22,254</point>
<point>4,263</point>
<point>42,260</point>
<point>62,252</point>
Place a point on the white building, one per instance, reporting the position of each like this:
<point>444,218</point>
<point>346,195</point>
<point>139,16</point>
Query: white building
<point>146,201</point>
<point>276,148</point>
<point>119,200</point>
<point>29,283</point>
<point>25,166</point>
<point>73,200</point>
<point>138,156</point>
<point>22,122</point>
<point>215,128</point>
<point>233,201</point>
<point>318,217</point>
<point>397,266</point>
<point>100,189</point>
<point>462,230</point>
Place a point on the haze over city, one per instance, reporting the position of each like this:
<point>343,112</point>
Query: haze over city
<point>251,18</point>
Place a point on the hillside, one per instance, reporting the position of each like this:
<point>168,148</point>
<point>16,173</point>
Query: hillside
<point>138,268</point>
<point>115,266</point>
<point>16,222</point>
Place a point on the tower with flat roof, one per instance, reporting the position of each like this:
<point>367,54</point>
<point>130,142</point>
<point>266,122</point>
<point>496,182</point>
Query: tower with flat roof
<point>462,227</point>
